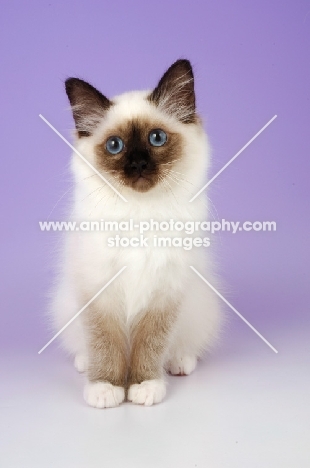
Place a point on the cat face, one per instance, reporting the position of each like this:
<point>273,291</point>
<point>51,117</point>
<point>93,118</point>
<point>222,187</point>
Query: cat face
<point>139,152</point>
<point>137,148</point>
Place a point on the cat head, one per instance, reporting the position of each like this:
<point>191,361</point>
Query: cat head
<point>138,137</point>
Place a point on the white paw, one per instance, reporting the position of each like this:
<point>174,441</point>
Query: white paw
<point>103,395</point>
<point>182,365</point>
<point>80,362</point>
<point>148,392</point>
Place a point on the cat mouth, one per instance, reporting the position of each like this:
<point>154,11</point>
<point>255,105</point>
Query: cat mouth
<point>141,183</point>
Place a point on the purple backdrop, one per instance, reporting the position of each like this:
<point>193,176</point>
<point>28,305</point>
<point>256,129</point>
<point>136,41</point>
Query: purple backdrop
<point>251,61</point>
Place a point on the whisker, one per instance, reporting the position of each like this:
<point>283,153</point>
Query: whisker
<point>67,191</point>
<point>176,179</point>
<point>182,178</point>
<point>170,162</point>
<point>98,188</point>
<point>170,188</point>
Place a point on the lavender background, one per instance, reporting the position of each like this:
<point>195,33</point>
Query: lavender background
<point>251,61</point>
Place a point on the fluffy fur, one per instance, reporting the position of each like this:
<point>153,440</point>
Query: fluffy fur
<point>157,315</point>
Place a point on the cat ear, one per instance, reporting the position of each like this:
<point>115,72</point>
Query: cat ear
<point>88,105</point>
<point>175,92</point>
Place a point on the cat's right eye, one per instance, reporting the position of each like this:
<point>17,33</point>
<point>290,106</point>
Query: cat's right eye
<point>114,145</point>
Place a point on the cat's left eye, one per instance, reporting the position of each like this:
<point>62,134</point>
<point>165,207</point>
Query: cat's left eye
<point>157,137</point>
<point>114,145</point>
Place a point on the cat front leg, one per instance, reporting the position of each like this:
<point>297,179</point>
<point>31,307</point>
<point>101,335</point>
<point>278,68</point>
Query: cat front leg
<point>150,337</point>
<point>107,359</point>
<point>81,362</point>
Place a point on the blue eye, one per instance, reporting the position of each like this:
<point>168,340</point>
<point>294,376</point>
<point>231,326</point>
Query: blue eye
<point>114,145</point>
<point>157,137</point>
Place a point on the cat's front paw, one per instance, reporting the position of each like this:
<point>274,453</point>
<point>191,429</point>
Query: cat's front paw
<point>181,365</point>
<point>103,395</point>
<point>148,392</point>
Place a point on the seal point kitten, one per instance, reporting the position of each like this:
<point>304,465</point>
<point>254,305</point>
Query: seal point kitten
<point>157,316</point>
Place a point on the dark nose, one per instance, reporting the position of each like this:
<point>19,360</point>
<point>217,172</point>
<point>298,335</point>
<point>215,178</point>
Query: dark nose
<point>139,166</point>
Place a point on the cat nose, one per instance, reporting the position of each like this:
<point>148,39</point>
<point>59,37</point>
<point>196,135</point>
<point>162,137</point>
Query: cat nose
<point>139,166</point>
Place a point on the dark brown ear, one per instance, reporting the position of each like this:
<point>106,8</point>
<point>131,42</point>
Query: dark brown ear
<point>175,92</point>
<point>88,105</point>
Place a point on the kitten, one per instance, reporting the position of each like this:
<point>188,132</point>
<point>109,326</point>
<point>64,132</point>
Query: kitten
<point>157,315</point>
